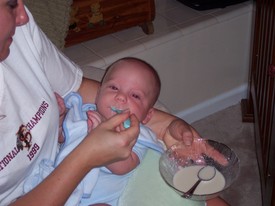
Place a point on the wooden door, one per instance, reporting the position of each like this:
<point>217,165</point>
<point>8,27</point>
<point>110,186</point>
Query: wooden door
<point>261,97</point>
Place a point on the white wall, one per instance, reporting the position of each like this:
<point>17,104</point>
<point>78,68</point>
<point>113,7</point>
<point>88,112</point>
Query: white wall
<point>203,64</point>
<point>204,71</point>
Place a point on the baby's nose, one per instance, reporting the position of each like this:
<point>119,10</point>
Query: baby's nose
<point>121,97</point>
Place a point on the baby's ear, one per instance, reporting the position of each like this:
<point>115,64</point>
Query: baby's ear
<point>148,116</point>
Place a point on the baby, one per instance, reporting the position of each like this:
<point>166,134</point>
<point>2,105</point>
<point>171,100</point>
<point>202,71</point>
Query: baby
<point>129,84</point>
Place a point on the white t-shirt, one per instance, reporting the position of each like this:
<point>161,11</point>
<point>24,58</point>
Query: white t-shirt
<point>29,115</point>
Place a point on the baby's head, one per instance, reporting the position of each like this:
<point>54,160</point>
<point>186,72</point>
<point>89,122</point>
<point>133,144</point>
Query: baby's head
<point>129,83</point>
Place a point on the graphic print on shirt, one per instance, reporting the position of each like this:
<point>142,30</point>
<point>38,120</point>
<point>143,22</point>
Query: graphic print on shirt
<point>24,138</point>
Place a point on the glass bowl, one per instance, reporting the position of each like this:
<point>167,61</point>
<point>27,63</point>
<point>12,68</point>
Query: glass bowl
<point>180,170</point>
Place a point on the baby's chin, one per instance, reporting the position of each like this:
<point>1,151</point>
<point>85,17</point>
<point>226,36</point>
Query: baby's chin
<point>108,114</point>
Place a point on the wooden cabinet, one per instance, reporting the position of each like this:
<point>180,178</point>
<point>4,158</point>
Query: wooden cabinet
<point>90,19</point>
<point>260,104</point>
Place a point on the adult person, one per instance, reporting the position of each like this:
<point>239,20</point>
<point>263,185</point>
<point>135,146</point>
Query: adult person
<point>31,70</point>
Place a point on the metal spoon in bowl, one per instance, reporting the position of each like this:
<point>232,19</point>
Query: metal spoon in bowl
<point>206,173</point>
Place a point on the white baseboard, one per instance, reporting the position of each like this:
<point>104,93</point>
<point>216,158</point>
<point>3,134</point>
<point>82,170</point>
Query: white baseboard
<point>213,105</point>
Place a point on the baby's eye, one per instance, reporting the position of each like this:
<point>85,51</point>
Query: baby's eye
<point>12,4</point>
<point>113,87</point>
<point>136,96</point>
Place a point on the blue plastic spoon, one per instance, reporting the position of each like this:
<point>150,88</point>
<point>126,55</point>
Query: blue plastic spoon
<point>127,122</point>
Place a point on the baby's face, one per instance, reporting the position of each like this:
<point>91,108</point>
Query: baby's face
<point>128,86</point>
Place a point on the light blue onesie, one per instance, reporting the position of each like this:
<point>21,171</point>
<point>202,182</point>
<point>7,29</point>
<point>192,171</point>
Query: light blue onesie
<point>99,185</point>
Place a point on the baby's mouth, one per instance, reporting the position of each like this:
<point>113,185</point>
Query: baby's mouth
<point>116,110</point>
<point>127,122</point>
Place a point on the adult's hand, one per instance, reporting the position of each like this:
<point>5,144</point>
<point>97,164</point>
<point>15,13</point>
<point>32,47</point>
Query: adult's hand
<point>194,146</point>
<point>197,149</point>
<point>106,144</point>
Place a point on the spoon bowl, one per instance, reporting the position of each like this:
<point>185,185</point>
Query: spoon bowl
<point>206,173</point>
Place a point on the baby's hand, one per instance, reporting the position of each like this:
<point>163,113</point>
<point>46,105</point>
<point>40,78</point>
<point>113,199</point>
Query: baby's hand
<point>94,119</point>
<point>179,130</point>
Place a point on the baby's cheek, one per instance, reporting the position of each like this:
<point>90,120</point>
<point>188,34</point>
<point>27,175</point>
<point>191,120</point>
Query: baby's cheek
<point>108,114</point>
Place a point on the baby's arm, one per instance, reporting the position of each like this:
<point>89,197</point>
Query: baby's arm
<point>124,166</point>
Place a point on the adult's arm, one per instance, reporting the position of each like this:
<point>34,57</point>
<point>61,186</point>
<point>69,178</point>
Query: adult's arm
<point>93,151</point>
<point>88,90</point>
<point>172,129</point>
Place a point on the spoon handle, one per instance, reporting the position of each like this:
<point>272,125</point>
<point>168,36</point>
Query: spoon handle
<point>190,192</point>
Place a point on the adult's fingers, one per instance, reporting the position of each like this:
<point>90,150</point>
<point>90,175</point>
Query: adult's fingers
<point>117,119</point>
<point>202,147</point>
<point>130,133</point>
<point>196,150</point>
<point>215,154</point>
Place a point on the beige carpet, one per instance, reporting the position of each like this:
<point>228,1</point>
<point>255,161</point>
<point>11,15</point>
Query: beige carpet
<point>227,127</point>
